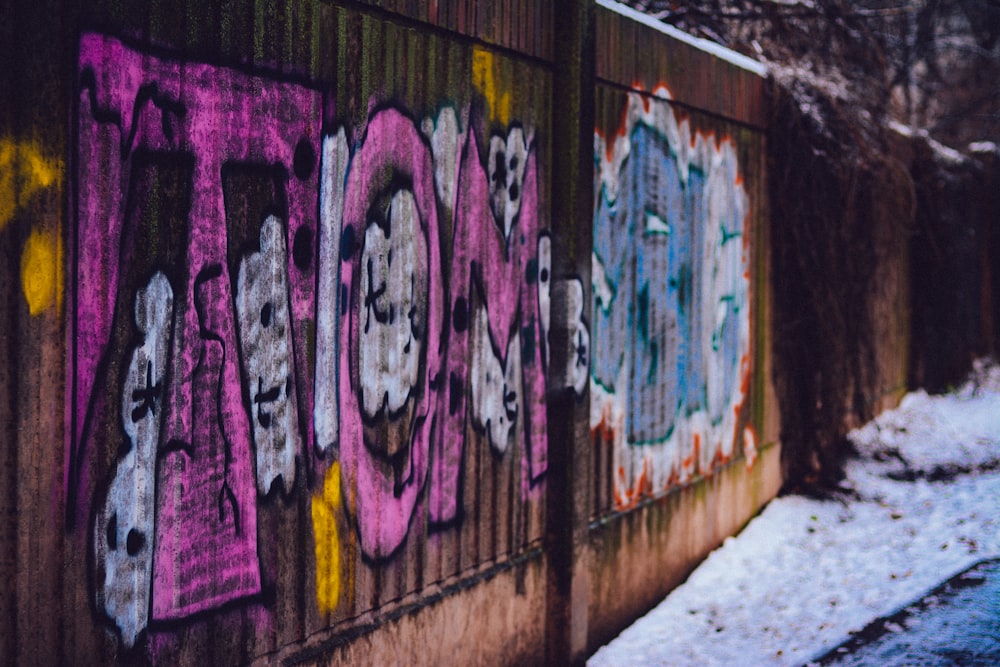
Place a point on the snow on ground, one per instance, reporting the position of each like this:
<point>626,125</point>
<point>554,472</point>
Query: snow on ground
<point>806,573</point>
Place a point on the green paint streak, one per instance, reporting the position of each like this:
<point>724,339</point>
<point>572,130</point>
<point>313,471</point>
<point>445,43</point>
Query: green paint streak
<point>366,64</point>
<point>289,46</point>
<point>606,387</point>
<point>225,30</point>
<point>457,82</point>
<point>390,75</point>
<point>727,236</point>
<point>315,57</point>
<point>155,20</point>
<point>431,64</point>
<point>341,64</point>
<point>192,23</point>
<point>643,313</point>
<point>258,30</point>
<point>412,73</point>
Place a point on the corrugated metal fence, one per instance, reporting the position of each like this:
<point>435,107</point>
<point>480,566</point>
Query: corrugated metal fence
<point>368,332</point>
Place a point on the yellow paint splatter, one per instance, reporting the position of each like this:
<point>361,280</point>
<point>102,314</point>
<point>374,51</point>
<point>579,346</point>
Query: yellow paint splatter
<point>23,171</point>
<point>485,79</point>
<point>325,510</point>
<point>41,271</point>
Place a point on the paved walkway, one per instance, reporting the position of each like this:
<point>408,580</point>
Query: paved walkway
<point>956,624</point>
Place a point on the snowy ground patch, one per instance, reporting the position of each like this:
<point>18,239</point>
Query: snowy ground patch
<point>805,574</point>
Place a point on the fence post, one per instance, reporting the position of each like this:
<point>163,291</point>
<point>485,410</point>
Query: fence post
<point>567,508</point>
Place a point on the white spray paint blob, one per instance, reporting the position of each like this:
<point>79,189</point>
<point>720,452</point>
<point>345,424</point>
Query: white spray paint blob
<point>544,292</point>
<point>567,295</point>
<point>507,162</point>
<point>393,301</point>
<point>493,384</point>
<point>124,528</point>
<point>331,216</point>
<point>266,344</point>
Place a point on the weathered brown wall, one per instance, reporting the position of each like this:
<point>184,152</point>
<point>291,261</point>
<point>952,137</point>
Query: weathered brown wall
<point>199,210</point>
<point>951,252</point>
<point>33,189</point>
<point>842,202</point>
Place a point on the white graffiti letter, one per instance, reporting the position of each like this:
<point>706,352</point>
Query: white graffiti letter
<point>331,214</point>
<point>507,162</point>
<point>265,342</point>
<point>123,531</point>
<point>493,383</point>
<point>393,289</point>
<point>544,292</point>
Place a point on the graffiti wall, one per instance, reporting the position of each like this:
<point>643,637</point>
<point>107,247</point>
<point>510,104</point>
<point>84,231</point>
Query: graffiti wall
<point>308,318</point>
<point>671,300</point>
<point>277,310</point>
